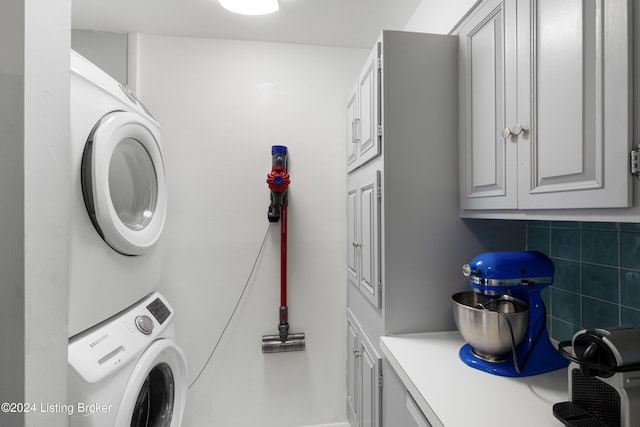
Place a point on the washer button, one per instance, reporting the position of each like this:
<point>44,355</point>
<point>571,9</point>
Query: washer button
<point>144,324</point>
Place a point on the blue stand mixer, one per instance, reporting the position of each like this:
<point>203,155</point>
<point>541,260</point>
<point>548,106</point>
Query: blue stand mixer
<point>503,319</point>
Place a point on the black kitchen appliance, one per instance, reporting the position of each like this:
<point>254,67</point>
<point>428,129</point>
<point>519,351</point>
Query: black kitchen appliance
<point>604,378</point>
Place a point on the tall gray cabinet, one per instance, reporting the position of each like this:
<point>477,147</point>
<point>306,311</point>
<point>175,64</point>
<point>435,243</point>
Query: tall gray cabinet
<point>405,241</point>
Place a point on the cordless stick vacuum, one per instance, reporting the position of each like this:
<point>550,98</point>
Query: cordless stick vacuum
<point>278,181</point>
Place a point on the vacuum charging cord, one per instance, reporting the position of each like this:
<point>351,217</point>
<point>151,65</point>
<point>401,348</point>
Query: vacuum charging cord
<point>246,284</point>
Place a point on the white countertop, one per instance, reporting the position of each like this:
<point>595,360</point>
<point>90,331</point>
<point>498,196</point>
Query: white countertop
<point>452,394</point>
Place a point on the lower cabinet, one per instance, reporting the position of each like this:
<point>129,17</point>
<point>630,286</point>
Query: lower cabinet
<point>413,415</point>
<point>364,377</point>
<point>400,410</point>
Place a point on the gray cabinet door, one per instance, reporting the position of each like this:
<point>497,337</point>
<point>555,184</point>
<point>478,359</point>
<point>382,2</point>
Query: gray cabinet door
<point>488,162</point>
<point>413,414</point>
<point>364,377</point>
<point>371,383</point>
<point>353,373</point>
<point>364,120</point>
<point>369,203</point>
<point>545,111</point>
<point>369,87</point>
<point>353,122</point>
<point>363,233</point>
<point>574,97</point>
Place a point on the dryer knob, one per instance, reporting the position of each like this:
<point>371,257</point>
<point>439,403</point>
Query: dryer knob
<point>144,324</point>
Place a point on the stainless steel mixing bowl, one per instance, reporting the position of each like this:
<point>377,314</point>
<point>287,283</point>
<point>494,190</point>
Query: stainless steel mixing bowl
<point>483,322</point>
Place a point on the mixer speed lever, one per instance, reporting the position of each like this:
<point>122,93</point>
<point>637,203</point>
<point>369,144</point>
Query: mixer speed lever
<point>468,271</point>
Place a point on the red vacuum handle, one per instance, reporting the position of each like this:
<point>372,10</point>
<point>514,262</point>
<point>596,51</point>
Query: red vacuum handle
<point>283,256</point>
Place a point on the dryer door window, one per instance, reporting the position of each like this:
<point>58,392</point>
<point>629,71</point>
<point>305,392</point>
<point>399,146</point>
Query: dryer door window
<point>133,184</point>
<point>123,182</point>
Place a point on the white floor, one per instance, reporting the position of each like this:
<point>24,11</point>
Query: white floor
<point>331,425</point>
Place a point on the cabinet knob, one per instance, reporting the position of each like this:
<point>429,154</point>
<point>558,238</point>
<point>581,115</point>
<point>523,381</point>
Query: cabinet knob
<point>517,130</point>
<point>356,352</point>
<point>356,244</point>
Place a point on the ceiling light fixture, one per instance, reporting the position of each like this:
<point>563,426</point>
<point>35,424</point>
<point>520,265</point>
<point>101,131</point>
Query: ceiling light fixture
<point>251,7</point>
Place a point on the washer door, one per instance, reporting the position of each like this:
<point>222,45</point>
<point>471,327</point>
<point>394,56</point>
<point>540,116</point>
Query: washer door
<point>157,389</point>
<point>123,182</point>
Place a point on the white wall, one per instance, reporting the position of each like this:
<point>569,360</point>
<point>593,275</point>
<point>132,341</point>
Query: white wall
<point>105,49</point>
<point>34,213</point>
<point>222,105</point>
<point>438,16</point>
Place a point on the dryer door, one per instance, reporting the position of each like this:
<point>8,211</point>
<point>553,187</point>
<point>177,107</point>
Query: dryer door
<point>157,389</point>
<point>123,182</point>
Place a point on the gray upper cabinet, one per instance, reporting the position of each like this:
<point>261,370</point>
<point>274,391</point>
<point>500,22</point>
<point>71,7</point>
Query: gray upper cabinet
<point>488,165</point>
<point>545,111</point>
<point>364,115</point>
<point>353,120</point>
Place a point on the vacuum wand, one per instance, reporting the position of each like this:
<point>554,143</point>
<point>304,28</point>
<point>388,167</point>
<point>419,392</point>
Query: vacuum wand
<point>278,181</point>
<point>283,327</point>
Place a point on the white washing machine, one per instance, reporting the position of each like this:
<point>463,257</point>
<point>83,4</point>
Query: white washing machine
<point>119,197</point>
<point>128,370</point>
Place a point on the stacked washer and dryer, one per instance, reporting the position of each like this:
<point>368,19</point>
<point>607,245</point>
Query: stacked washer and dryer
<point>125,368</point>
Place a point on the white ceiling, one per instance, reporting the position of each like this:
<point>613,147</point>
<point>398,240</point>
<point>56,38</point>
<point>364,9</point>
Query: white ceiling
<point>346,23</point>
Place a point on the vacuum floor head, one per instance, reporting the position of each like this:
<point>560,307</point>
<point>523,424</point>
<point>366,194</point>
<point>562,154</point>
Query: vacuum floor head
<point>273,343</point>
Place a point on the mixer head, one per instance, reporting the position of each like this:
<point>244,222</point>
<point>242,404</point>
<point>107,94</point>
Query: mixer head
<point>499,272</point>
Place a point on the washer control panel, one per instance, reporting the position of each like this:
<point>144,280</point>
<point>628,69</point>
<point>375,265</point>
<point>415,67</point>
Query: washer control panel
<point>159,310</point>
<point>144,324</point>
<point>101,350</point>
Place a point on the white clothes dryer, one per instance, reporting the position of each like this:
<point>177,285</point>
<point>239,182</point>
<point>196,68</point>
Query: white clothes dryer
<point>119,197</point>
<point>128,370</point>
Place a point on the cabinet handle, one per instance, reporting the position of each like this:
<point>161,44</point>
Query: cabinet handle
<point>356,131</point>
<point>353,131</point>
<point>517,130</point>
